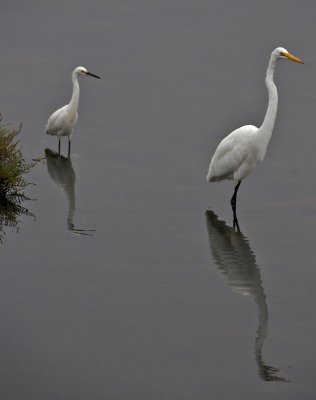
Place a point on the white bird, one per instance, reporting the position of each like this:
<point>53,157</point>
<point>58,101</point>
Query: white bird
<point>239,152</point>
<point>63,120</point>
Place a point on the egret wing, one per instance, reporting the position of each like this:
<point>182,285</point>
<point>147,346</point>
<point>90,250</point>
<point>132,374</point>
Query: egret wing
<point>56,121</point>
<point>61,122</point>
<point>231,153</point>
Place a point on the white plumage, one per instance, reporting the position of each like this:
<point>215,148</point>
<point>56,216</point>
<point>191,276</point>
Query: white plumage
<point>63,120</point>
<point>239,152</point>
<point>235,156</point>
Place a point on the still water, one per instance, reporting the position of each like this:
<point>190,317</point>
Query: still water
<point>130,283</point>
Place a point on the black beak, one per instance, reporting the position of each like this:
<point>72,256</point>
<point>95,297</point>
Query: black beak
<point>95,76</point>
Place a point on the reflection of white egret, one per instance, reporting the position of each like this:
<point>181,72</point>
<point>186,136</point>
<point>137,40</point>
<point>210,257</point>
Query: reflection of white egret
<point>62,173</point>
<point>236,261</point>
<point>239,152</point>
<point>62,121</point>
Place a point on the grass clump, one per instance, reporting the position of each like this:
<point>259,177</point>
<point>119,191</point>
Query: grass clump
<point>13,167</point>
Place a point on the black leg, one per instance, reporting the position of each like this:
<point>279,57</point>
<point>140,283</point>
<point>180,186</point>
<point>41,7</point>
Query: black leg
<point>69,145</point>
<point>233,200</point>
<point>59,146</point>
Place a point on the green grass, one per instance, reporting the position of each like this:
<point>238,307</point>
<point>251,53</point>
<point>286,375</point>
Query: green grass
<point>13,168</point>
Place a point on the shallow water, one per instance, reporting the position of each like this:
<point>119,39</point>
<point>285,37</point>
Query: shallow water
<point>131,283</point>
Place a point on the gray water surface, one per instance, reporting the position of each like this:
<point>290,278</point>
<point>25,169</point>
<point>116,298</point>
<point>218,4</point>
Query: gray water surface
<point>131,283</point>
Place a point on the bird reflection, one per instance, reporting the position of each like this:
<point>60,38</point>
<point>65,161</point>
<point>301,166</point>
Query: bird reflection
<point>62,173</point>
<point>235,220</point>
<point>236,261</point>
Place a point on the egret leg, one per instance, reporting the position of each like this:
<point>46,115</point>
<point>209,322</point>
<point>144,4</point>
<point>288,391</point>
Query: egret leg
<point>59,146</point>
<point>69,145</point>
<point>233,200</point>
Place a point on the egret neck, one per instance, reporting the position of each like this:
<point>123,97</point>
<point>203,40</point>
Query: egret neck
<point>74,102</point>
<point>266,129</point>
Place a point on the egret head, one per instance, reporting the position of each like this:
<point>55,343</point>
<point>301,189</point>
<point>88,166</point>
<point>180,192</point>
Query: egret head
<point>84,72</point>
<point>281,53</point>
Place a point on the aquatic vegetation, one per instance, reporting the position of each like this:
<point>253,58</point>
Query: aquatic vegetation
<point>10,211</point>
<point>13,168</point>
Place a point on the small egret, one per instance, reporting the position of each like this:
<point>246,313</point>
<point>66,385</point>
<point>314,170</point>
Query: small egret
<point>239,152</point>
<point>62,121</point>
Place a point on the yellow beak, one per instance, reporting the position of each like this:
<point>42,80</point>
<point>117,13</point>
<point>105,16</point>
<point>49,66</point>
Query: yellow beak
<point>290,56</point>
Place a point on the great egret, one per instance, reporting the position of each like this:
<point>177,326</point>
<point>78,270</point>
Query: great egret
<point>62,121</point>
<point>239,152</point>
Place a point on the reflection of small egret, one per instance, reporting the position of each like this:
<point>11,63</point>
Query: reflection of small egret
<point>62,121</point>
<point>239,152</point>
<point>236,261</point>
<point>62,173</point>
